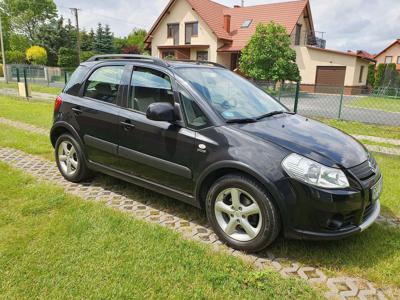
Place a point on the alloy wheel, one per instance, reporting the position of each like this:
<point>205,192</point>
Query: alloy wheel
<point>68,158</point>
<point>238,214</point>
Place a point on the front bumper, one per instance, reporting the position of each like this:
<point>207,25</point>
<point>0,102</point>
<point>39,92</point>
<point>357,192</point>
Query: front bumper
<point>320,214</point>
<point>323,235</point>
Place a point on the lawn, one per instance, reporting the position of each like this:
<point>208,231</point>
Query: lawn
<point>33,112</point>
<point>54,246</point>
<point>35,88</point>
<point>376,103</point>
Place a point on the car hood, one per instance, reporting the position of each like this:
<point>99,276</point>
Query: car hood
<point>309,138</point>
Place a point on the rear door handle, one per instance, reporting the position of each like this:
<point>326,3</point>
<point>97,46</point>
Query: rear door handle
<point>77,110</point>
<point>127,125</point>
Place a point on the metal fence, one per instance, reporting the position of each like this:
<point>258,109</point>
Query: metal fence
<point>377,106</point>
<point>41,75</point>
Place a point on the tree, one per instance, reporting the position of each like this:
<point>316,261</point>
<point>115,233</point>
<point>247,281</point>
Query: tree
<point>27,16</point>
<point>36,55</point>
<point>268,55</point>
<point>85,55</point>
<point>15,57</point>
<point>98,39</point>
<point>137,37</point>
<point>108,37</point>
<point>87,40</point>
<point>67,57</point>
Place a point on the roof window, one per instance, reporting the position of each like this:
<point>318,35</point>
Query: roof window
<point>246,24</point>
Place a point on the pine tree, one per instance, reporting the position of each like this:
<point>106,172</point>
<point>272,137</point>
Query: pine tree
<point>99,39</point>
<point>108,38</point>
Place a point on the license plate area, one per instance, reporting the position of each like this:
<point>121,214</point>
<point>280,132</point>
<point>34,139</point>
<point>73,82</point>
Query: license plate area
<point>376,190</point>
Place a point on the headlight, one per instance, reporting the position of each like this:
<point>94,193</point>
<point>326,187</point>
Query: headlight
<point>314,173</point>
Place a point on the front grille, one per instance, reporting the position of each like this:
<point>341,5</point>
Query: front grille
<point>365,170</point>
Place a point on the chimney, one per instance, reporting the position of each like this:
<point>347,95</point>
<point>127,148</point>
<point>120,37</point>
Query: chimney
<point>227,23</point>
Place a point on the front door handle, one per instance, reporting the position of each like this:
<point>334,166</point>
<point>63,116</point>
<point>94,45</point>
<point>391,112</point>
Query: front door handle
<point>127,125</point>
<point>77,110</point>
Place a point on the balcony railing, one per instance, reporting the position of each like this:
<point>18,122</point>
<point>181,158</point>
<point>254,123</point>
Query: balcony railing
<point>315,38</point>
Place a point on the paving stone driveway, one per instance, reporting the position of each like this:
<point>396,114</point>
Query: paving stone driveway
<point>336,287</point>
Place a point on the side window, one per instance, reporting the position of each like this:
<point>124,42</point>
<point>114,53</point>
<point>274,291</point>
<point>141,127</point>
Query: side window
<point>74,83</point>
<point>149,86</point>
<point>103,84</point>
<point>195,118</point>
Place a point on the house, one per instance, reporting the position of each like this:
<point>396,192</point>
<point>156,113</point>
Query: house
<point>206,30</point>
<point>391,54</point>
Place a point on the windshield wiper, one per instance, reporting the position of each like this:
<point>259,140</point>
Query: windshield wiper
<point>243,120</point>
<point>273,113</point>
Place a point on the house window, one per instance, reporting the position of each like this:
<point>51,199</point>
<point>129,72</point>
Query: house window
<point>173,32</point>
<point>246,24</point>
<point>388,59</point>
<point>360,79</point>
<point>191,29</point>
<point>398,60</point>
<point>168,54</point>
<point>202,55</point>
<point>298,34</point>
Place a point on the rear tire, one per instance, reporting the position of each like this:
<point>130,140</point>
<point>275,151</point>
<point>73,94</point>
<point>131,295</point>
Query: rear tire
<point>70,159</point>
<point>242,213</point>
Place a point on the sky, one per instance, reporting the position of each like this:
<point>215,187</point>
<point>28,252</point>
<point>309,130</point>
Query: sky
<point>348,24</point>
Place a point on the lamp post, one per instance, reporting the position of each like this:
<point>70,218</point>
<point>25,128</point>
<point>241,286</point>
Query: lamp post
<point>2,52</point>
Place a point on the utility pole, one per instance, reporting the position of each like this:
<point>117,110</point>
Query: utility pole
<point>242,3</point>
<point>78,36</point>
<point>2,53</point>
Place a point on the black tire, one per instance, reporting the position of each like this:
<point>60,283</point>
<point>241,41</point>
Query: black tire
<point>82,172</point>
<point>270,225</point>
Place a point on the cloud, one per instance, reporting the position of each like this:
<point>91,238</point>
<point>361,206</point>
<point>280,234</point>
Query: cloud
<point>352,24</point>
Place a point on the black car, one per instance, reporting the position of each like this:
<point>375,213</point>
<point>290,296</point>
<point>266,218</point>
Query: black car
<point>198,132</point>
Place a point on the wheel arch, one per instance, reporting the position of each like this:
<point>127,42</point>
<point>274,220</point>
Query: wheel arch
<point>60,128</point>
<point>222,168</point>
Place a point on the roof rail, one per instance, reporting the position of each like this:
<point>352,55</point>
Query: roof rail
<point>199,62</point>
<point>129,56</point>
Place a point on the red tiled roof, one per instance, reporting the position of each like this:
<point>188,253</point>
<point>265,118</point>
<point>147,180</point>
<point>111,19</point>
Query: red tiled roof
<point>392,44</point>
<point>350,53</point>
<point>212,13</point>
<point>365,54</point>
<point>284,13</point>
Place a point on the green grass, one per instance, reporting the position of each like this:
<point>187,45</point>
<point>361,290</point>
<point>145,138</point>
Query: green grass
<point>376,103</point>
<point>28,142</point>
<point>54,246</point>
<point>34,87</point>
<point>373,143</point>
<point>33,112</point>
<point>392,132</point>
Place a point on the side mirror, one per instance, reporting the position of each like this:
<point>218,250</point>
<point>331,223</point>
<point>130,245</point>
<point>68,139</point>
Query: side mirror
<point>161,111</point>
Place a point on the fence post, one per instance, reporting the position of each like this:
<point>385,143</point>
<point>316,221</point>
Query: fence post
<point>296,98</point>
<point>341,104</point>
<point>18,79</point>
<point>65,77</point>
<point>26,84</point>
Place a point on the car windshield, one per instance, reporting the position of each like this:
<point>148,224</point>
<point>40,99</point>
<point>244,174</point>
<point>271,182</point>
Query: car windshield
<point>232,96</point>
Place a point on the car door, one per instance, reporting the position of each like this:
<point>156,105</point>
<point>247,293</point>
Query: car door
<point>96,113</point>
<point>155,150</point>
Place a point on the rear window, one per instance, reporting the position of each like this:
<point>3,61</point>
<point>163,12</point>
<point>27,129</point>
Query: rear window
<point>74,83</point>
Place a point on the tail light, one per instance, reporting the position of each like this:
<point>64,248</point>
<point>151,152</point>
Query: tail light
<point>57,104</point>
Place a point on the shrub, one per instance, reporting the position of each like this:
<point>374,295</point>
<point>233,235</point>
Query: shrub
<point>67,57</point>
<point>15,57</point>
<point>1,71</point>
<point>85,55</point>
<point>36,55</point>
<point>371,75</point>
<point>131,49</point>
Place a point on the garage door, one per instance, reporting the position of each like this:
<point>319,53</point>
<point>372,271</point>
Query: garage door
<point>330,79</point>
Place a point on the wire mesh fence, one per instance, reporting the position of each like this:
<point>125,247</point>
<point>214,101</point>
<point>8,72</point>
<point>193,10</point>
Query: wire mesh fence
<point>378,106</point>
<point>40,75</point>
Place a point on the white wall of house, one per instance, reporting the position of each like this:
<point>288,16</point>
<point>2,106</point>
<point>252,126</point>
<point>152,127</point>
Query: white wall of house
<point>182,12</point>
<point>309,59</point>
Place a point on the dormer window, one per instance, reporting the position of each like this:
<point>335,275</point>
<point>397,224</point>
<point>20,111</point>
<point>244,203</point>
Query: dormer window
<point>246,24</point>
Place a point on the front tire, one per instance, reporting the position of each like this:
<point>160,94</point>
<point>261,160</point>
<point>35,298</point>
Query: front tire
<point>70,159</point>
<point>242,214</point>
